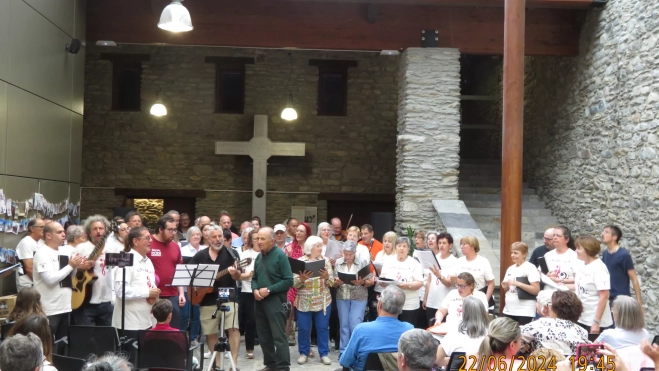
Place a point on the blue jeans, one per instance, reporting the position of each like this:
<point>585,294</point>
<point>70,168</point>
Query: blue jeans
<point>322,330</point>
<point>351,313</point>
<point>190,317</point>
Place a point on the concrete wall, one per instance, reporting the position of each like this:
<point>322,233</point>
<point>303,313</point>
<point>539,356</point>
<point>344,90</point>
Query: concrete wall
<point>354,154</point>
<point>592,133</point>
<point>41,101</point>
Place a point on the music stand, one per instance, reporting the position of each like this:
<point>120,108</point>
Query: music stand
<point>195,275</point>
<point>121,260</point>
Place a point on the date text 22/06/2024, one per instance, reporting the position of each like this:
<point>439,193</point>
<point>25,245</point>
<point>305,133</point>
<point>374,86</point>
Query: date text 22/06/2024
<point>531,363</point>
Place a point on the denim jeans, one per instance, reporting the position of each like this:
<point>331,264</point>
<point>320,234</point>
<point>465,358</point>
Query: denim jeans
<point>321,320</point>
<point>351,313</point>
<point>190,319</point>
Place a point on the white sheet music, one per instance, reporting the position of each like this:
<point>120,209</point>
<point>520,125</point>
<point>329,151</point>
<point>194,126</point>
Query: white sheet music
<point>205,275</point>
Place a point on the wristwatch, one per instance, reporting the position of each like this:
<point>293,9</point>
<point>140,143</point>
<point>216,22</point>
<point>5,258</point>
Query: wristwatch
<point>268,290</point>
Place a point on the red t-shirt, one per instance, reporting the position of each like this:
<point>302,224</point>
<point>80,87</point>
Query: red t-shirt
<point>182,342</point>
<point>164,258</point>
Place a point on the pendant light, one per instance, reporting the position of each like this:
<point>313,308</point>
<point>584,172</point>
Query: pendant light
<point>289,113</point>
<point>158,109</point>
<point>175,18</point>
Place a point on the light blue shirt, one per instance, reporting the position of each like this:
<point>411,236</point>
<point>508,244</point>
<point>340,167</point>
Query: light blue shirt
<point>380,336</point>
<point>237,242</point>
<point>619,338</point>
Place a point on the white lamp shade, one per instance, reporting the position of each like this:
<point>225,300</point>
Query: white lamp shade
<point>158,109</point>
<point>175,18</point>
<point>289,114</point>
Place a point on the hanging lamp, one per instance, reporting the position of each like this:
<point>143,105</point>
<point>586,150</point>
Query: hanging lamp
<point>289,113</point>
<point>158,109</point>
<point>175,18</point>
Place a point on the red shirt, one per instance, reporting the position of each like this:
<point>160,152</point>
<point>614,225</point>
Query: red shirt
<point>164,257</point>
<point>182,342</point>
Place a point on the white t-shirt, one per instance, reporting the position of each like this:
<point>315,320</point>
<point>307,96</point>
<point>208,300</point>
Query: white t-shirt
<point>381,258</point>
<point>514,306</point>
<point>480,268</point>
<point>437,291</point>
<point>247,284</point>
<point>25,250</point>
<point>588,281</point>
<point>455,341</point>
<point>564,265</point>
<point>102,287</point>
<point>405,271</point>
<point>139,279</point>
<point>362,254</point>
<point>47,278</point>
<point>453,304</point>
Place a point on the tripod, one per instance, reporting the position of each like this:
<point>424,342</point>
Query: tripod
<point>222,345</point>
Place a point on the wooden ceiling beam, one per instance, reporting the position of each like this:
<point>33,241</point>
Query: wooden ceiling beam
<point>334,26</point>
<point>530,4</point>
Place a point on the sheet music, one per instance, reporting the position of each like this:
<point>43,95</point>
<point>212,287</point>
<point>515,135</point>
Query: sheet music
<point>547,281</point>
<point>427,259</point>
<point>205,275</point>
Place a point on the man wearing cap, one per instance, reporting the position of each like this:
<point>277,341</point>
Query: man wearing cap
<point>280,236</point>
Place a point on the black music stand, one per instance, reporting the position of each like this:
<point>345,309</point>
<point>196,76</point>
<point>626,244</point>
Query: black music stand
<point>121,260</point>
<point>195,275</point>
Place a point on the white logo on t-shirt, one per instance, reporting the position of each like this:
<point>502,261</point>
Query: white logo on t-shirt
<point>155,252</point>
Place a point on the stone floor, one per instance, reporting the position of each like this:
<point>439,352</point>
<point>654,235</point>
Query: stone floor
<point>313,364</point>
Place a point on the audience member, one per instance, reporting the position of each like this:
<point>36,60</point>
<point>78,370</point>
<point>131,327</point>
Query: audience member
<point>469,335</point>
<point>37,325</point>
<point>28,302</point>
<point>501,344</point>
<point>109,362</point>
<point>378,336</point>
<point>628,317</point>
<point>25,253</point>
<point>23,353</point>
<point>620,265</point>
<point>520,310</point>
<point>542,303</point>
<point>162,311</point>
<point>416,351</point>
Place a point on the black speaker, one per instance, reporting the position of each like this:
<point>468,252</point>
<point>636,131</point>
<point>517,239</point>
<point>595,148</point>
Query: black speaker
<point>74,46</point>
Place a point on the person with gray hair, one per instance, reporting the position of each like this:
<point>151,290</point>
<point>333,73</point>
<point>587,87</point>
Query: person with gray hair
<point>379,336</point>
<point>416,351</point>
<point>97,311</point>
<point>470,333</point>
<point>351,297</point>
<point>109,362</point>
<point>75,235</point>
<point>21,353</point>
<point>629,330</point>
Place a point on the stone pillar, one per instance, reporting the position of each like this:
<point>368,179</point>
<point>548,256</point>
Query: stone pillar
<point>428,134</point>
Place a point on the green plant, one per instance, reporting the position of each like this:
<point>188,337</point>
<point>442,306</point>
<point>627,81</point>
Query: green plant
<point>410,235</point>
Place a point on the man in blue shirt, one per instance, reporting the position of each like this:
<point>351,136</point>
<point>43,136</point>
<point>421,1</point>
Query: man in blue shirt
<point>379,336</point>
<point>620,265</point>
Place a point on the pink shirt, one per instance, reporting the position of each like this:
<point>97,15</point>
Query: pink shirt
<point>165,257</point>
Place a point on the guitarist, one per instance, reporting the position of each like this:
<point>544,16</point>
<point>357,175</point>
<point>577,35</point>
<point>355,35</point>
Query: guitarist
<point>218,254</point>
<point>97,311</point>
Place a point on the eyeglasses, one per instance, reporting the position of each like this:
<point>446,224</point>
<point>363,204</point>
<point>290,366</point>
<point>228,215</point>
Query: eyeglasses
<point>173,230</point>
<point>547,238</point>
<point>461,286</point>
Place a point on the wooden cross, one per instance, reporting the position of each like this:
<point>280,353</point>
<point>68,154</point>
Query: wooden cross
<point>259,148</point>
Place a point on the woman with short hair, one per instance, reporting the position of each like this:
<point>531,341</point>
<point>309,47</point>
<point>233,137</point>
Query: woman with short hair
<point>324,232</point>
<point>478,266</point>
<point>629,321</point>
<point>469,335</point>
<point>407,273</point>
<point>439,282</point>
<point>520,310</point>
<point>313,302</point>
<point>592,284</point>
<point>75,235</point>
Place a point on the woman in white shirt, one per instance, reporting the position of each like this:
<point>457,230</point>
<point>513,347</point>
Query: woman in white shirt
<point>189,312</point>
<point>407,273</point>
<point>628,318</point>
<point>430,240</point>
<point>139,286</point>
<point>246,307</point>
<point>439,282</point>
<point>477,266</point>
<point>387,253</point>
<point>592,284</point>
<point>520,310</point>
<point>469,335</point>
<point>324,232</point>
<point>562,260</point>
<point>451,308</point>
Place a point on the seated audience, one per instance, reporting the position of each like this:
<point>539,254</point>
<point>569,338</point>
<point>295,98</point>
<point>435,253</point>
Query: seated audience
<point>560,330</point>
<point>416,351</point>
<point>37,325</point>
<point>628,317</point>
<point>500,346</point>
<point>379,336</point>
<point>548,354</point>
<point>542,303</point>
<point>652,351</point>
<point>109,362</point>
<point>23,353</point>
<point>470,333</point>
<point>451,307</point>
<point>28,301</point>
<point>162,311</point>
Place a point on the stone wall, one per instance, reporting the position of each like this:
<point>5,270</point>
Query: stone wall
<point>355,153</point>
<point>428,135</point>
<point>151,210</point>
<point>592,132</point>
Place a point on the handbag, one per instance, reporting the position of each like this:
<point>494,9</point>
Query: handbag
<point>286,304</point>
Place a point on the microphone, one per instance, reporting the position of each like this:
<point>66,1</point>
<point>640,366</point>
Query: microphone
<point>372,240</point>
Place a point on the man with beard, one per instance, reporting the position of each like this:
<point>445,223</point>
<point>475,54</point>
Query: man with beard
<point>165,254</point>
<point>98,311</point>
<point>225,257</point>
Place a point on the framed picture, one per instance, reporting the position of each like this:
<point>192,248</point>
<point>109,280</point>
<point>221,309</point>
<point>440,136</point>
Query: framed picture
<point>307,214</point>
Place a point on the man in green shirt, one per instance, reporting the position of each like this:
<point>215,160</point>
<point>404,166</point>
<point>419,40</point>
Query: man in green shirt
<point>270,283</point>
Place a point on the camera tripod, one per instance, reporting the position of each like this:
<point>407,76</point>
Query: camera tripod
<point>222,345</point>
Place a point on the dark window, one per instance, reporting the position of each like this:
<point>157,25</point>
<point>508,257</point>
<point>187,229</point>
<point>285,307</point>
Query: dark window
<point>126,86</point>
<point>230,91</point>
<point>332,93</point>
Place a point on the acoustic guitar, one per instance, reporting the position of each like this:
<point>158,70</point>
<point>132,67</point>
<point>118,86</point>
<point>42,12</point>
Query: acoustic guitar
<point>84,279</point>
<point>196,294</point>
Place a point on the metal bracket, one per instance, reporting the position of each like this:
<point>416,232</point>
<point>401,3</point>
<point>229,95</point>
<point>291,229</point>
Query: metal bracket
<point>429,38</point>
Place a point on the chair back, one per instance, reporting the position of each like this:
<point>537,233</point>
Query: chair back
<point>63,363</point>
<point>163,349</point>
<point>373,363</point>
<point>87,340</point>
<point>5,329</point>
<point>455,362</point>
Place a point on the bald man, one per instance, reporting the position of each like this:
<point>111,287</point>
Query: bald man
<point>337,231</point>
<point>542,250</point>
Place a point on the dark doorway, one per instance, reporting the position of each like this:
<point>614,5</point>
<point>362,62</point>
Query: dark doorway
<point>362,211</point>
<point>182,205</point>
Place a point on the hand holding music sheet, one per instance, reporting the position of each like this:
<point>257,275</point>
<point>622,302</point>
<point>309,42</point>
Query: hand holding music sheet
<point>299,266</point>
<point>347,278</point>
<point>427,259</point>
<point>388,281</point>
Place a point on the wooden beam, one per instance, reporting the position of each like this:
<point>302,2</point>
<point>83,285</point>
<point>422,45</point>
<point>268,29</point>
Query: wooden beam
<point>335,26</point>
<point>512,137</point>
<point>159,193</point>
<point>373,197</point>
<point>564,4</point>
